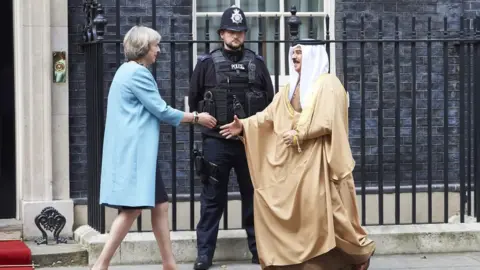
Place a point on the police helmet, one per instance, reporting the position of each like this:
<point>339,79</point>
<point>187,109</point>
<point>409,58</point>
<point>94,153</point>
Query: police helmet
<point>233,19</point>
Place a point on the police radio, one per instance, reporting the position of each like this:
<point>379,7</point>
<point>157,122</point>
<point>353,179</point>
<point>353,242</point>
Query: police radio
<point>238,108</point>
<point>255,101</point>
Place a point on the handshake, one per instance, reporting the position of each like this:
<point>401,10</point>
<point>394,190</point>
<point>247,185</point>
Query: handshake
<point>228,130</point>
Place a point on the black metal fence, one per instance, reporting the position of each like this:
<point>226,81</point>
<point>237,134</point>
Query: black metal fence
<point>414,127</point>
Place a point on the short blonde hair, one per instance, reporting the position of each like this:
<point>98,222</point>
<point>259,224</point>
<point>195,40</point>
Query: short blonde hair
<point>137,41</point>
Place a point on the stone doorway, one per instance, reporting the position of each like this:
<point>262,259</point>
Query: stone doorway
<point>7,117</point>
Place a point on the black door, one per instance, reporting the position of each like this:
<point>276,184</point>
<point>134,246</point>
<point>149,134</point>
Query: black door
<point>7,117</point>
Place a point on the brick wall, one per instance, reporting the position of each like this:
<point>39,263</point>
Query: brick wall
<point>372,9</point>
<point>130,10</point>
<point>77,112</point>
<point>387,10</point>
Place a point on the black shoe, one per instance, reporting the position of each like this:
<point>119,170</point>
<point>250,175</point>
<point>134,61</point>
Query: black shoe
<point>255,259</point>
<point>202,263</point>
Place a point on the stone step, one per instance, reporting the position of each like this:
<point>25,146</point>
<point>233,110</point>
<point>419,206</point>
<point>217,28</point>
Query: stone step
<point>141,248</point>
<point>55,255</point>
<point>10,229</point>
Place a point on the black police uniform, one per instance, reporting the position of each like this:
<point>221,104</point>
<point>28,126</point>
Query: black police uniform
<point>232,79</point>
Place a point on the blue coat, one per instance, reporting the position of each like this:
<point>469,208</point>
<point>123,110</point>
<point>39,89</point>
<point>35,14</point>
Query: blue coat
<point>132,131</point>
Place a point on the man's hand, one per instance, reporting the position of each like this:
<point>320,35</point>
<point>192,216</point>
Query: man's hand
<point>289,136</point>
<point>232,129</point>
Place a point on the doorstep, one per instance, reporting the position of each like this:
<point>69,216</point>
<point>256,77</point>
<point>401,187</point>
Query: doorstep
<point>141,248</point>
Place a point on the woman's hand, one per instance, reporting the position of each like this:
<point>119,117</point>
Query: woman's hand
<point>289,136</point>
<point>206,120</point>
<point>232,129</point>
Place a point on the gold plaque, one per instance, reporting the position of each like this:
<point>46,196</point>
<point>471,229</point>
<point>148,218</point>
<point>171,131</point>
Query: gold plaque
<point>59,67</point>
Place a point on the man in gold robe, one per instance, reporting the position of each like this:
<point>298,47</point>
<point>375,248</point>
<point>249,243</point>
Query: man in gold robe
<point>301,164</point>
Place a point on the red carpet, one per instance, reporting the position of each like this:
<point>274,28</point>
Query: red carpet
<point>15,255</point>
<point>16,268</point>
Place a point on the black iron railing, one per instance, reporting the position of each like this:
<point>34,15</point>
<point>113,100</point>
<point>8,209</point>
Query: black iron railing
<point>413,124</point>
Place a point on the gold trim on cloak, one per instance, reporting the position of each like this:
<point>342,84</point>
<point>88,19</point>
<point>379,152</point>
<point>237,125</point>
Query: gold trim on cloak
<point>307,111</point>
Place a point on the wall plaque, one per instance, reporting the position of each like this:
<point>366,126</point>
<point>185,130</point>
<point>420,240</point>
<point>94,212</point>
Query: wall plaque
<point>59,67</point>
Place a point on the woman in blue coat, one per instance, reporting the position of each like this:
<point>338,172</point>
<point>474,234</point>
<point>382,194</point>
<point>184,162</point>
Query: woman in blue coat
<point>134,112</point>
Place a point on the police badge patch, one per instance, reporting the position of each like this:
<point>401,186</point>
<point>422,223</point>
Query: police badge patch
<point>237,66</point>
<point>236,16</point>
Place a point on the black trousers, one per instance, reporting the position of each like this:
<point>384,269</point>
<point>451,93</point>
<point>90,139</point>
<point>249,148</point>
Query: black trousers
<point>226,154</point>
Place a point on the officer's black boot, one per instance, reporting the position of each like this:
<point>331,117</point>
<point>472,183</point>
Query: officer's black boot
<point>255,259</point>
<point>202,263</point>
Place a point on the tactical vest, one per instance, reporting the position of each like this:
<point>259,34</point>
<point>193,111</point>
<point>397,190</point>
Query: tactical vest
<point>235,91</point>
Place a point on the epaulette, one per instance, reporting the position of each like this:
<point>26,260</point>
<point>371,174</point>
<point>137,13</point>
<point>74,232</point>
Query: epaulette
<point>259,57</point>
<point>203,57</point>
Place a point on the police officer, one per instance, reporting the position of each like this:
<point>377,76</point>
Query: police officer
<point>230,80</point>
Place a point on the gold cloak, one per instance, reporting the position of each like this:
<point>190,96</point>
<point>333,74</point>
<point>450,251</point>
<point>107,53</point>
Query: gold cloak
<point>304,203</point>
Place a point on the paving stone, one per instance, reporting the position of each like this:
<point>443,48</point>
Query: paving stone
<point>450,261</point>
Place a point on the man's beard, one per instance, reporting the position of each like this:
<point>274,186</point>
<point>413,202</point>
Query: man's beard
<point>295,61</point>
<point>233,47</point>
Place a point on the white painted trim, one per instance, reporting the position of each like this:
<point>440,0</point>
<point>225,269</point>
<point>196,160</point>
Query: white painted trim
<point>20,60</point>
<point>194,31</point>
<point>265,14</point>
<point>47,103</point>
<point>329,9</point>
<point>185,103</point>
<point>283,63</point>
<point>282,80</point>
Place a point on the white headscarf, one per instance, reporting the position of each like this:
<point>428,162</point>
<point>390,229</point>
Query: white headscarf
<point>314,63</point>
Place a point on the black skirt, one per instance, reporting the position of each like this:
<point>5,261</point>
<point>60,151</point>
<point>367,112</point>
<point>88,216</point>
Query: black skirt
<point>161,196</point>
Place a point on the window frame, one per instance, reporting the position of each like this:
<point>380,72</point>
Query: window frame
<point>328,7</point>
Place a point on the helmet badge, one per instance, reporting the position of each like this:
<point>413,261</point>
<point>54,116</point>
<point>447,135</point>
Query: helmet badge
<point>236,16</point>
